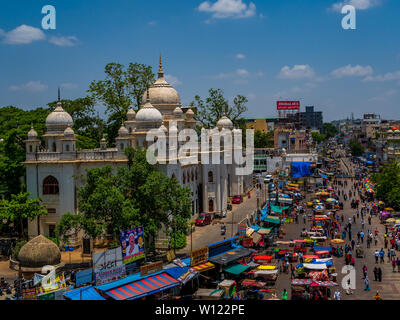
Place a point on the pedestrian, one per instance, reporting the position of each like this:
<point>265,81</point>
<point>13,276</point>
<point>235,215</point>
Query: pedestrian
<point>358,236</point>
<point>382,255</point>
<point>284,295</point>
<point>379,274</point>
<point>369,220</point>
<point>366,282</point>
<point>386,243</point>
<point>394,264</point>
<point>376,254</point>
<point>377,296</point>
<point>362,236</point>
<point>336,295</point>
<point>398,264</point>
<point>364,270</point>
<point>352,244</point>
<point>376,274</point>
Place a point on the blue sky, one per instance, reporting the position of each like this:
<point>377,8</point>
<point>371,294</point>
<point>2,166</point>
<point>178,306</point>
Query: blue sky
<point>265,50</point>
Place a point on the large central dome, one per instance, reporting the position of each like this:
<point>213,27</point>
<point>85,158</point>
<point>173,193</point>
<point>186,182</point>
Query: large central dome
<point>162,95</point>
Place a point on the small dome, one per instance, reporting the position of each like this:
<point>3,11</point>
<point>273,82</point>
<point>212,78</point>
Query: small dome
<point>148,113</point>
<point>189,114</point>
<point>131,114</point>
<point>32,134</point>
<point>58,119</point>
<point>178,111</point>
<point>69,132</point>
<point>39,252</point>
<point>224,122</point>
<point>123,131</point>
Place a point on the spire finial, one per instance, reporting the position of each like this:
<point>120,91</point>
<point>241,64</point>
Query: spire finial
<point>147,95</point>
<point>59,95</point>
<point>160,69</point>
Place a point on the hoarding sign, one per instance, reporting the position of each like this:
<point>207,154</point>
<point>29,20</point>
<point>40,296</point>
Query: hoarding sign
<point>132,243</point>
<point>54,295</point>
<point>151,268</point>
<point>198,256</point>
<point>108,266</point>
<point>288,105</point>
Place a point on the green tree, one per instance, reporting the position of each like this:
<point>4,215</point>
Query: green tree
<point>263,140</point>
<point>215,106</point>
<point>388,183</point>
<point>329,130</point>
<point>119,90</point>
<point>21,208</point>
<point>356,148</point>
<point>318,137</point>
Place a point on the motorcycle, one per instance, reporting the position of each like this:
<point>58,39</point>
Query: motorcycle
<point>223,230</point>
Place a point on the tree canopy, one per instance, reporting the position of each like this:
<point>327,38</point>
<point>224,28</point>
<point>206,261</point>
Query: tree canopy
<point>120,89</point>
<point>210,110</point>
<point>329,130</point>
<point>356,148</point>
<point>388,183</point>
<point>263,140</point>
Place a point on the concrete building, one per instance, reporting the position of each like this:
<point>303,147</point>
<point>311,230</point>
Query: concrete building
<point>311,119</point>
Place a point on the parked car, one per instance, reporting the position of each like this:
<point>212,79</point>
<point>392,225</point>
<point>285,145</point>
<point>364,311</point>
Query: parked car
<point>237,199</point>
<point>203,219</point>
<point>268,178</point>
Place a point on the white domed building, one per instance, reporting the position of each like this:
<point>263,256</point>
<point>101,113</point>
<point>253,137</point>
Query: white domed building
<point>55,170</point>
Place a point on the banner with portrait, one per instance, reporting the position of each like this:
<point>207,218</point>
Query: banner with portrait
<point>132,244</point>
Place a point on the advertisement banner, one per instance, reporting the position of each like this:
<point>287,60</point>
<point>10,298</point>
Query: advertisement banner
<point>151,268</point>
<point>52,285</point>
<point>110,275</point>
<point>54,295</point>
<point>108,266</point>
<point>288,105</point>
<point>132,244</point>
<point>198,256</point>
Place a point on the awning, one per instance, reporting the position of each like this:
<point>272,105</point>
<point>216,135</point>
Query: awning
<point>144,287</point>
<point>322,249</point>
<point>236,269</point>
<point>234,255</point>
<point>204,267</point>
<point>321,266</point>
<point>85,293</point>
<point>264,231</point>
<point>273,220</point>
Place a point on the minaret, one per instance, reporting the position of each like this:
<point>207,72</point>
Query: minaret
<point>160,70</point>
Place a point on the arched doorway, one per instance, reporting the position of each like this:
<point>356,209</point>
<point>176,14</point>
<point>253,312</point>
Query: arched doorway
<point>211,205</point>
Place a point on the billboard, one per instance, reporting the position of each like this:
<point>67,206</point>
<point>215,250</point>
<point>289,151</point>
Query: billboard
<point>151,268</point>
<point>83,277</point>
<point>132,243</point>
<point>198,256</point>
<point>288,105</point>
<point>108,266</point>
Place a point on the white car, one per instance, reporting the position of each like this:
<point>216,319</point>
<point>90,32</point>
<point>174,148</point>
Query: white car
<point>268,178</point>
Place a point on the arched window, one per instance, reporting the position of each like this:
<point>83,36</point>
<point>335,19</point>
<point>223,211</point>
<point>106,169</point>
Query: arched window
<point>122,146</point>
<point>173,176</point>
<point>192,175</point>
<point>211,205</point>
<point>50,185</point>
<point>67,147</point>
<point>54,147</point>
<point>184,178</point>
<point>210,176</point>
<point>30,148</point>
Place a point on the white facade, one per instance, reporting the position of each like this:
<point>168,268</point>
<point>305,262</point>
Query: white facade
<point>56,171</point>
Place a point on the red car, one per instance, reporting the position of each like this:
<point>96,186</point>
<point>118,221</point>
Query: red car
<point>203,219</point>
<point>237,199</point>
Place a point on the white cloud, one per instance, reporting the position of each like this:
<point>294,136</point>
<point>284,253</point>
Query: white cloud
<point>352,71</point>
<point>240,56</point>
<point>297,72</point>
<point>358,4</point>
<point>238,74</point>
<point>173,81</point>
<point>69,41</point>
<point>31,86</point>
<point>68,85</point>
<point>222,9</point>
<point>23,35</point>
<point>390,76</point>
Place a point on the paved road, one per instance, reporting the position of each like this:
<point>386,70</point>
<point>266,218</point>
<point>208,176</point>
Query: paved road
<point>206,235</point>
<point>389,288</point>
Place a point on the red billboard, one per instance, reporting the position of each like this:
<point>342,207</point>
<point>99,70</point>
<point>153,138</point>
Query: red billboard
<point>288,105</point>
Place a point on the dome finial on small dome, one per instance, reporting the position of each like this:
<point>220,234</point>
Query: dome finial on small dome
<point>160,69</point>
<point>147,95</point>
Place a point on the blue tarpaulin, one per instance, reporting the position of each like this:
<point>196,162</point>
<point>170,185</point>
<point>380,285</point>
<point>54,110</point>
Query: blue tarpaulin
<point>85,293</point>
<point>301,169</point>
<point>323,249</point>
<point>176,272</point>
